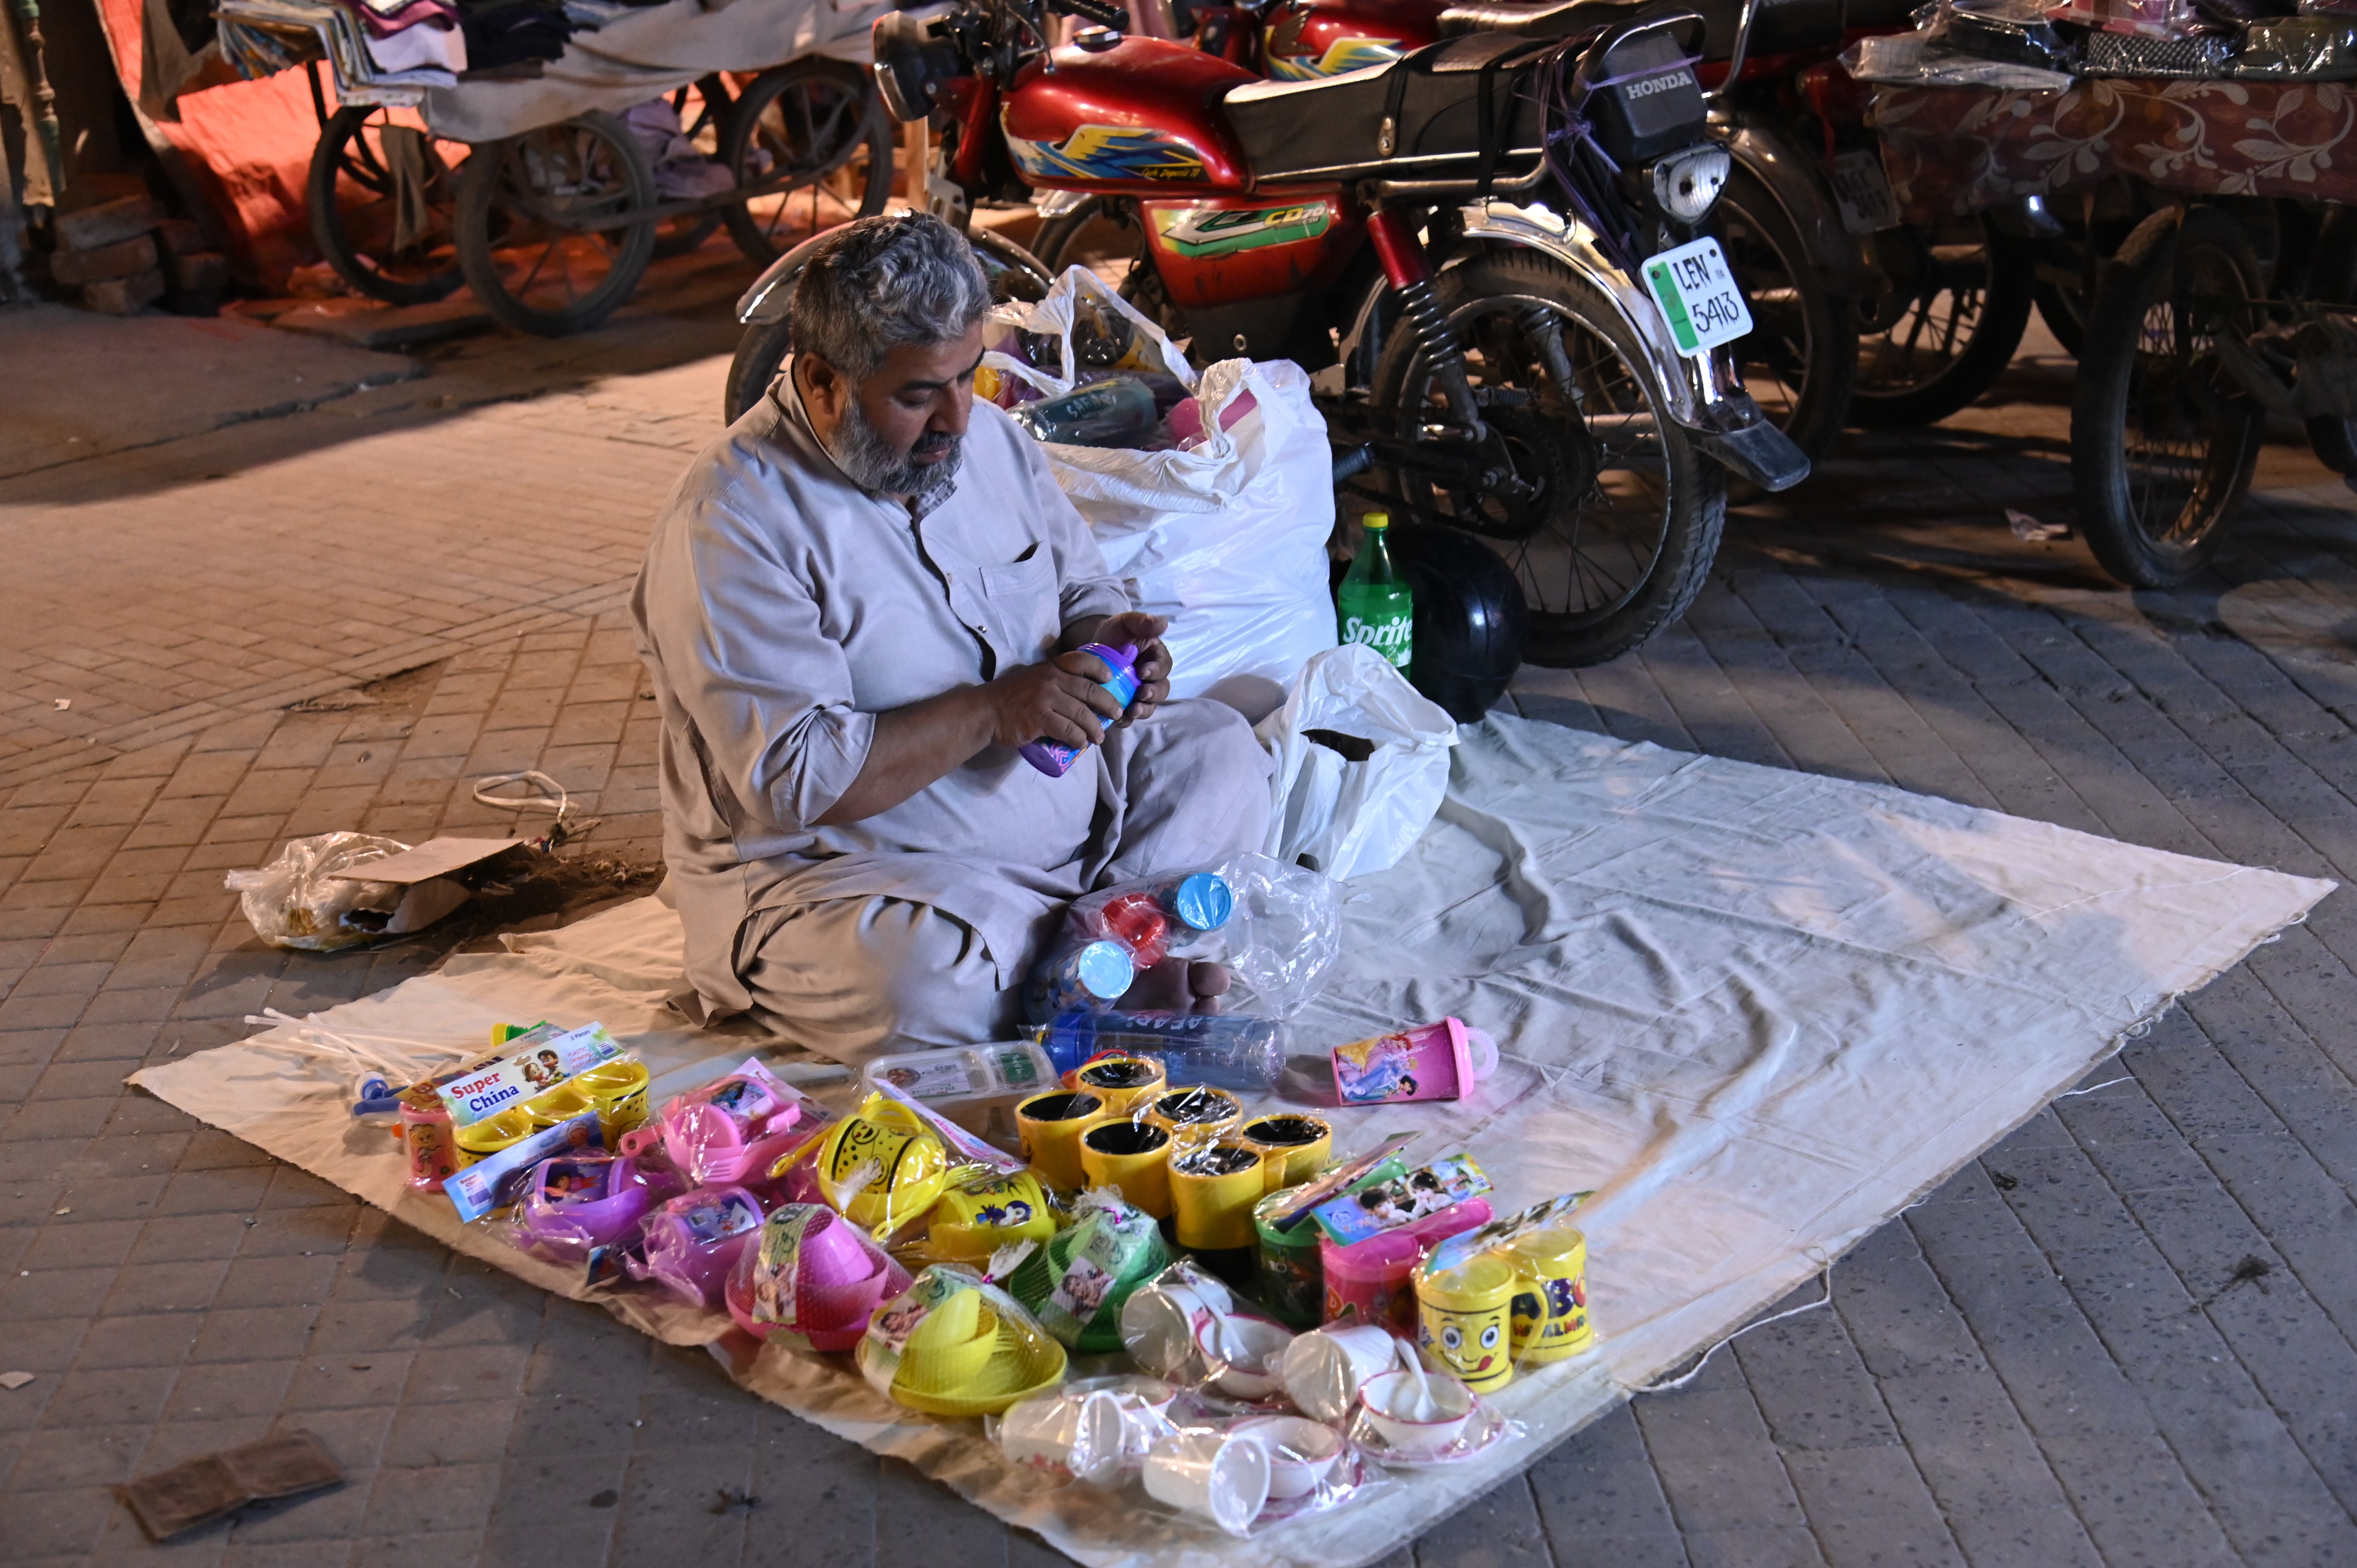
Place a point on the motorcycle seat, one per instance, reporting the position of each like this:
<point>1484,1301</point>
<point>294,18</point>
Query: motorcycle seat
<point>1781,26</point>
<point>1332,128</point>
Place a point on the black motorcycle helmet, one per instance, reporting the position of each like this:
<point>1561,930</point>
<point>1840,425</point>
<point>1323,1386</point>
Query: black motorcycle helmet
<point>1470,617</point>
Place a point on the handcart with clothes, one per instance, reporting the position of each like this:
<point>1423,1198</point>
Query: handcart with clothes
<point>2181,163</point>
<point>544,152</point>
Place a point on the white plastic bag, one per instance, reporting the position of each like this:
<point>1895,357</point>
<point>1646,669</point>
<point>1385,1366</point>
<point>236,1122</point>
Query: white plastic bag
<point>1347,817</point>
<point>302,899</point>
<point>1227,539</point>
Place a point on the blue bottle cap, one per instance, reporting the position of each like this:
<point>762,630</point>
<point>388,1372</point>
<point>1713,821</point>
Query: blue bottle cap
<point>1104,970</point>
<point>1204,902</point>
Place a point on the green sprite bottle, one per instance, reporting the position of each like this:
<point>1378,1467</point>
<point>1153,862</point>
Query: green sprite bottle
<point>1376,605</point>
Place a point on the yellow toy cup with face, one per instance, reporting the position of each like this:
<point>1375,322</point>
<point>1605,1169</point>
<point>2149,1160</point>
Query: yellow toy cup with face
<point>1550,1296</point>
<point>1051,1125</point>
<point>1121,1082</point>
<point>881,1165</point>
<point>1292,1149</point>
<point>1464,1320</point>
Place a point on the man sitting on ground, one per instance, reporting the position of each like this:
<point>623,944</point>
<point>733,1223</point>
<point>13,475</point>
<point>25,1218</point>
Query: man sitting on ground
<point>856,606</point>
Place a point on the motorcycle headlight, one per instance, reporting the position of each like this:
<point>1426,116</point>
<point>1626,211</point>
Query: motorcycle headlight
<point>1686,183</point>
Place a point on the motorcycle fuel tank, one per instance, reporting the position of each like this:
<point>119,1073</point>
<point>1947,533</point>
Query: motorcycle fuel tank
<point>1137,118</point>
<point>1309,38</point>
<point>1225,249</point>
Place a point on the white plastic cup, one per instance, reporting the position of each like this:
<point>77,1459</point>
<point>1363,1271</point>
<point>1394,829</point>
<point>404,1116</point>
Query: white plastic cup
<point>1085,1438</point>
<point>1323,1370</point>
<point>1212,1476</point>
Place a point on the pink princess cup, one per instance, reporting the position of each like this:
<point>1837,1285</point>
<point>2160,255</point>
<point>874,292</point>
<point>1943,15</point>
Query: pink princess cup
<point>1372,1281</point>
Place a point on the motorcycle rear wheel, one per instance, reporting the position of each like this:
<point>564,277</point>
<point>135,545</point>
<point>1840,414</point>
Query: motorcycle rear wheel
<point>1799,361</point>
<point>2163,440</point>
<point>1622,535</point>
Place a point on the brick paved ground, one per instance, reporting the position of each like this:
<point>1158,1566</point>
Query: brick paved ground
<point>2123,1338</point>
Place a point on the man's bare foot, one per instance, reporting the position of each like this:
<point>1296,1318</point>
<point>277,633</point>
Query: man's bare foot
<point>1178,985</point>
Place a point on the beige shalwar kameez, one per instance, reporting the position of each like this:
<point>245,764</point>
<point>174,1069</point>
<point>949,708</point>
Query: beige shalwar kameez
<point>779,609</point>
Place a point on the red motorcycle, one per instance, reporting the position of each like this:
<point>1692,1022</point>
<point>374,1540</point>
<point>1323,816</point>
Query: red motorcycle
<point>1487,252</point>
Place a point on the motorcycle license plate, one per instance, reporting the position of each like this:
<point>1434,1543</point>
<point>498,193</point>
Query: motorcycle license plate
<point>1697,296</point>
<point>1862,193</point>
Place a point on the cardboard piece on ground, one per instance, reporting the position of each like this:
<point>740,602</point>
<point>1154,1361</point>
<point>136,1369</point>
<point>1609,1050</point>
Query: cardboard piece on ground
<point>186,1496</point>
<point>425,871</point>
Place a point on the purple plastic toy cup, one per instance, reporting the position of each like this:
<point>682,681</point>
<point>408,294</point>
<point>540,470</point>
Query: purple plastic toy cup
<point>1053,757</point>
<point>582,1201</point>
<point>692,1241</point>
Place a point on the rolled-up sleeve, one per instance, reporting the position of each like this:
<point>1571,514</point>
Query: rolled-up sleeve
<point>768,694</point>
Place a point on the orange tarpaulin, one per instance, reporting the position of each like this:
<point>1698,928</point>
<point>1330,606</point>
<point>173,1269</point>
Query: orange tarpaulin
<point>248,143</point>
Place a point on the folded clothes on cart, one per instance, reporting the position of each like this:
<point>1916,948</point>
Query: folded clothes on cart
<point>389,51</point>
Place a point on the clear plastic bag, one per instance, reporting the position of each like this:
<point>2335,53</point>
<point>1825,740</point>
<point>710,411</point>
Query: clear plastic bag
<point>1187,1328</point>
<point>1244,1475</point>
<point>1097,1430</point>
<point>692,1241</point>
<point>576,1204</point>
<point>953,1343</point>
<point>733,1129</point>
<point>1277,928</point>
<point>302,900</point>
<point>1900,59</point>
<point>1079,1281</point>
<point>815,1274</point>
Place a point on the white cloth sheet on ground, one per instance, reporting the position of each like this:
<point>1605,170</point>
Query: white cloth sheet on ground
<point>1759,1012</point>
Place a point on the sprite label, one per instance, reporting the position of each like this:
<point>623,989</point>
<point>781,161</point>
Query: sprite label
<point>1374,605</point>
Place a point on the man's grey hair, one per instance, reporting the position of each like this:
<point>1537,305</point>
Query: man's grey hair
<point>878,283</point>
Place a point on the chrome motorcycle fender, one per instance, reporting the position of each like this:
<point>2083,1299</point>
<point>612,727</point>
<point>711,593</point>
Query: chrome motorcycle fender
<point>766,301</point>
<point>1706,393</point>
<point>1844,262</point>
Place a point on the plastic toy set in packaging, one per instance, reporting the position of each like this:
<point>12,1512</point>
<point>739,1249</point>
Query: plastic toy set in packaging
<point>1295,1327</point>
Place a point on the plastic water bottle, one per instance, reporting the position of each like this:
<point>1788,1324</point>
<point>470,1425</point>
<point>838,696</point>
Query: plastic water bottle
<point>1375,605</point>
<point>1052,757</point>
<point>1115,413</point>
<point>976,1072</point>
<point>1225,1050</point>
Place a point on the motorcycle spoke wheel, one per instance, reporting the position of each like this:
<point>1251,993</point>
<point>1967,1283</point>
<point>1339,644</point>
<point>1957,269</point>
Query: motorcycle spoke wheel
<point>818,124</point>
<point>383,194</point>
<point>1967,302</point>
<point>1622,515</point>
<point>2163,439</point>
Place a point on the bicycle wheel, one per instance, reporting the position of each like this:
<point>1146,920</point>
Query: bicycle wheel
<point>1799,360</point>
<point>382,193</point>
<point>525,207</point>
<point>2163,440</point>
<point>821,122</point>
<point>1967,304</point>
<point>1625,515</point>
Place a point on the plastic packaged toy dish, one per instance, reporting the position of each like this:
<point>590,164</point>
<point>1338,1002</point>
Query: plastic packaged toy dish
<point>953,1345</point>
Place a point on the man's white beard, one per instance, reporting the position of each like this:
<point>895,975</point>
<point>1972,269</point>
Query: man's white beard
<point>871,463</point>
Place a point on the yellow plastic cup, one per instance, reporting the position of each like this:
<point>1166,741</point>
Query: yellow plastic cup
<point>1198,1114</point>
<point>492,1134</point>
<point>950,1348</point>
<point>1051,1125</point>
<point>1463,1320</point>
<point>1292,1148</point>
<point>974,1219</point>
<point>1212,1191</point>
<point>620,1089</point>
<point>1121,1082</point>
<point>1551,1296</point>
<point>1134,1156</point>
<point>563,1103</point>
